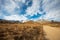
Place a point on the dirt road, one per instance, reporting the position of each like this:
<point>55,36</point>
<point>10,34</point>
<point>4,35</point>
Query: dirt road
<point>52,33</point>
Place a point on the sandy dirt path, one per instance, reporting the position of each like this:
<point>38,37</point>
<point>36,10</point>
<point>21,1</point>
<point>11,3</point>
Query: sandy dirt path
<point>52,33</point>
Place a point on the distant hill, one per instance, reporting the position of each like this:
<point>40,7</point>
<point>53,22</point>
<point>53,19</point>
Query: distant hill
<point>30,22</point>
<point>8,21</point>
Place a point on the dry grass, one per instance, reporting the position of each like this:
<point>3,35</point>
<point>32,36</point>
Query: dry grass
<point>52,24</point>
<point>25,31</point>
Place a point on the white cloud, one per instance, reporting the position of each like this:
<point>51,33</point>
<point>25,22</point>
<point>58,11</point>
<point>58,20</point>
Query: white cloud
<point>34,8</point>
<point>52,15</point>
<point>16,17</point>
<point>0,14</point>
<point>51,5</point>
<point>10,7</point>
<point>52,9</point>
<point>20,1</point>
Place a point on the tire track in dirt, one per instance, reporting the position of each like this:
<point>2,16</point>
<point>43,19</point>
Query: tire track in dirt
<point>52,33</point>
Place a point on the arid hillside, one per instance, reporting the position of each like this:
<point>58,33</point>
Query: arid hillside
<point>30,30</point>
<point>21,31</point>
<point>50,23</point>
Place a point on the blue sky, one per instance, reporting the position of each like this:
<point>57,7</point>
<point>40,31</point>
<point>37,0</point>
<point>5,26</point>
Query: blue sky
<point>30,10</point>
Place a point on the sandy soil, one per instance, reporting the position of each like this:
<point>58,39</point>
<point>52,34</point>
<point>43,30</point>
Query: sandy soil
<point>52,33</point>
